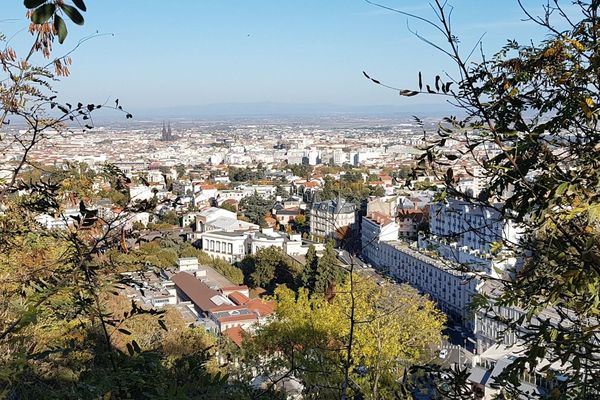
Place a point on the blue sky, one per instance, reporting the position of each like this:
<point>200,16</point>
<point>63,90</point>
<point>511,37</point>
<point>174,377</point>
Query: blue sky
<point>195,52</point>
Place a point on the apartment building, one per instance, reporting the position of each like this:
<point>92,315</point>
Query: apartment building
<point>227,245</point>
<point>376,228</point>
<point>452,290</point>
<point>329,218</point>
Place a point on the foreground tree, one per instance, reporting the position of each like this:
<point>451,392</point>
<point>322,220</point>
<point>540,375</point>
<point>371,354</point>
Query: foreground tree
<point>394,328</point>
<point>531,132</point>
<point>309,273</point>
<point>59,336</point>
<point>255,207</point>
<point>270,267</point>
<point>328,272</point>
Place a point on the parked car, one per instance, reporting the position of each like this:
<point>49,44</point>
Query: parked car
<point>443,353</point>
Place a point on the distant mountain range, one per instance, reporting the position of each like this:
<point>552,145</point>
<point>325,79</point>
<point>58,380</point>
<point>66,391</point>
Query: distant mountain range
<point>266,109</point>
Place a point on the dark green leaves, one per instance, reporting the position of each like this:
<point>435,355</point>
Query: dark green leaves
<point>73,14</point>
<point>33,3</point>
<point>42,14</point>
<point>61,29</point>
<point>408,93</point>
<point>80,4</point>
<point>162,324</point>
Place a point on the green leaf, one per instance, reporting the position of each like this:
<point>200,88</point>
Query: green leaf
<point>73,13</point>
<point>80,4</point>
<point>562,188</point>
<point>594,212</point>
<point>33,3</point>
<point>61,29</point>
<point>43,13</point>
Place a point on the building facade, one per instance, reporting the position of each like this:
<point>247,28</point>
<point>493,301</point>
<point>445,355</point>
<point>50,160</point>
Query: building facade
<point>329,218</point>
<point>374,229</point>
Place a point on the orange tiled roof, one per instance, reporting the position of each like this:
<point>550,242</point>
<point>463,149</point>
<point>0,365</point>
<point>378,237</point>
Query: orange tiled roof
<point>311,184</point>
<point>261,307</point>
<point>379,218</point>
<point>236,334</point>
<point>238,298</point>
<point>241,317</point>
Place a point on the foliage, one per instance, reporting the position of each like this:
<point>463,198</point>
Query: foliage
<point>229,207</point>
<point>62,336</point>
<point>270,267</point>
<point>309,274</point>
<point>234,274</point>
<point>351,187</point>
<point>181,171</point>
<point>531,129</point>
<point>170,218</point>
<point>245,174</point>
<point>303,171</point>
<point>328,272</point>
<point>309,336</point>
<point>403,173</point>
<point>138,226</point>
<point>280,191</point>
<point>255,207</point>
<point>42,12</point>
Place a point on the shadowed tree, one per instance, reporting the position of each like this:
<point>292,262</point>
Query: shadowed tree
<point>530,133</point>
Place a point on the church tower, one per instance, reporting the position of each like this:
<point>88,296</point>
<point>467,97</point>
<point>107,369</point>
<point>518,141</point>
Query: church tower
<point>167,134</point>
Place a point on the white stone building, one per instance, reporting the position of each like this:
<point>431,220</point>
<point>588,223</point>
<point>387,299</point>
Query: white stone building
<point>452,290</point>
<point>375,228</point>
<point>229,246</point>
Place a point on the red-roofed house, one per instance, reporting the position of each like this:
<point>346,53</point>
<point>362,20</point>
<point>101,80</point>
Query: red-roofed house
<point>237,310</point>
<point>236,334</point>
<point>227,290</point>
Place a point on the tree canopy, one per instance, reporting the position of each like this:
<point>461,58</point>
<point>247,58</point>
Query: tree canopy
<point>394,328</point>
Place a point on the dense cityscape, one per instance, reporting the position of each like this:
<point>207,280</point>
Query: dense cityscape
<point>309,250</point>
<point>237,191</point>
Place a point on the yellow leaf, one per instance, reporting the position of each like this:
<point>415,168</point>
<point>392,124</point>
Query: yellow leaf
<point>589,102</point>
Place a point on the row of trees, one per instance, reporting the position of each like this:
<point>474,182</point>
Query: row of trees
<point>246,174</point>
<point>270,267</point>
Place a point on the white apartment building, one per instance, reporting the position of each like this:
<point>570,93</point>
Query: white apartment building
<point>452,290</point>
<point>475,227</point>
<point>327,218</point>
<point>460,235</point>
<point>187,264</point>
<point>265,239</point>
<point>233,246</point>
<point>375,228</point>
<point>339,157</point>
<point>264,191</point>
